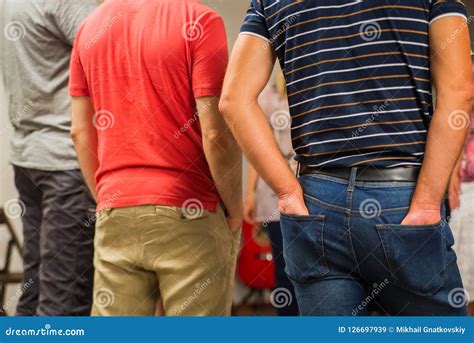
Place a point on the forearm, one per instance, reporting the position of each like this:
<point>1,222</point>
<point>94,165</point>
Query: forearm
<point>87,159</point>
<point>252,179</point>
<point>248,73</point>
<point>256,139</point>
<point>225,162</point>
<point>443,150</point>
<point>84,136</point>
<point>452,78</point>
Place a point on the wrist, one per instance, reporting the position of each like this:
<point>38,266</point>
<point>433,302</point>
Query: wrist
<point>425,206</point>
<point>250,194</point>
<point>291,190</point>
<point>236,211</point>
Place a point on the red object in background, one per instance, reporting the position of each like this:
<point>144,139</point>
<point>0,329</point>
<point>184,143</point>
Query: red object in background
<point>255,264</point>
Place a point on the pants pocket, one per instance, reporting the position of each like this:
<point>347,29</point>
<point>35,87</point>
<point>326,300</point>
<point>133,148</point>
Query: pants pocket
<point>416,256</point>
<point>303,247</point>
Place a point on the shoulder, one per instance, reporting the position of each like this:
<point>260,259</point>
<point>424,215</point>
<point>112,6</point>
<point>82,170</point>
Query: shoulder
<point>205,13</point>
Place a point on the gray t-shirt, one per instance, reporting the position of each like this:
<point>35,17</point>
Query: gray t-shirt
<point>36,39</point>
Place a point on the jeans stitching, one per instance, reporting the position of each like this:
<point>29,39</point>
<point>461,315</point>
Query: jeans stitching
<point>393,271</point>
<point>349,231</point>
<point>328,206</point>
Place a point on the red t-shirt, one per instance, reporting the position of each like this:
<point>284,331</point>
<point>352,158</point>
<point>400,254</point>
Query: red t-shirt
<point>143,63</point>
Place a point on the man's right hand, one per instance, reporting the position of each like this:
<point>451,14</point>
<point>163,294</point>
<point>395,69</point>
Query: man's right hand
<point>293,203</point>
<point>235,223</point>
<point>249,208</point>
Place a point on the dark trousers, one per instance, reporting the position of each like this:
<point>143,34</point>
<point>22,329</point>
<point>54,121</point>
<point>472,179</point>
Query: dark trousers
<point>281,279</point>
<point>58,230</point>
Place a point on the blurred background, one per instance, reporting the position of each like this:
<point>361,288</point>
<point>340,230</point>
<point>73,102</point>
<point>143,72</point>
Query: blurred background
<point>233,12</point>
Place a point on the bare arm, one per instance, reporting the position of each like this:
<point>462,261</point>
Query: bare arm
<point>84,135</point>
<point>224,158</point>
<point>249,70</point>
<point>455,187</point>
<point>452,75</point>
<point>249,198</point>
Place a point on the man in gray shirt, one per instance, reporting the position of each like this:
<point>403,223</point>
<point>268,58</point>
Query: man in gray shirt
<point>58,221</point>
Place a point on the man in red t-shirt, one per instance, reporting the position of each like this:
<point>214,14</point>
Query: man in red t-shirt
<point>156,153</point>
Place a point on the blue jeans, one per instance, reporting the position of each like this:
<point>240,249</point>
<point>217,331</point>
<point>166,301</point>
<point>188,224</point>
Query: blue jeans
<point>352,252</point>
<point>281,279</point>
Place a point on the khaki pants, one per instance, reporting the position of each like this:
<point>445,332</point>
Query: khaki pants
<point>144,252</point>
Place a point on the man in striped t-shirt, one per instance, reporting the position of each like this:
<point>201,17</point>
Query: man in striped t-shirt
<point>365,221</point>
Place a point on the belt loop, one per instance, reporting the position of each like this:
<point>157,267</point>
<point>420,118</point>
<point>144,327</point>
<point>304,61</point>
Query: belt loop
<point>298,169</point>
<point>352,179</point>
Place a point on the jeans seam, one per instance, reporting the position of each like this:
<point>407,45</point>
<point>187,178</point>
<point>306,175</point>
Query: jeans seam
<point>349,198</point>
<point>323,251</point>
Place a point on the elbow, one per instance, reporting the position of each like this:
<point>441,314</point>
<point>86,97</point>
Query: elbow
<point>228,104</point>
<point>75,135</point>
<point>225,105</point>
<point>459,98</point>
<point>216,140</point>
<point>466,95</point>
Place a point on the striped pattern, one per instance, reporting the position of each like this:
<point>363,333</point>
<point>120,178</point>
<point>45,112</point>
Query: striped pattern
<point>357,73</point>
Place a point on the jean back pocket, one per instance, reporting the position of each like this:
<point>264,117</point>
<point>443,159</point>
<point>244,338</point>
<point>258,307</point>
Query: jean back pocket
<point>303,247</point>
<point>416,256</point>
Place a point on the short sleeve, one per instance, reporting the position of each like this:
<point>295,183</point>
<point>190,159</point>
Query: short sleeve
<point>77,80</point>
<point>255,23</point>
<point>68,15</point>
<point>210,55</point>
<point>447,8</point>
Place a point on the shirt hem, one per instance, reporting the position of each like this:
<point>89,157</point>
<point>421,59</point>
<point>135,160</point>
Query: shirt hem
<point>451,14</point>
<point>256,35</point>
<point>29,165</point>
<point>79,92</point>
<point>152,200</point>
<point>202,92</point>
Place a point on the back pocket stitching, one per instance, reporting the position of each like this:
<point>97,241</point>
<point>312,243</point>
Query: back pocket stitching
<point>319,245</point>
<point>393,272</point>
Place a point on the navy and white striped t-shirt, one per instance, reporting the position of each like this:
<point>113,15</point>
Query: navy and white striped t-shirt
<point>358,75</point>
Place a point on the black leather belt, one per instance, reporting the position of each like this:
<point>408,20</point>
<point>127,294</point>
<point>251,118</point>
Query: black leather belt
<point>400,174</point>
